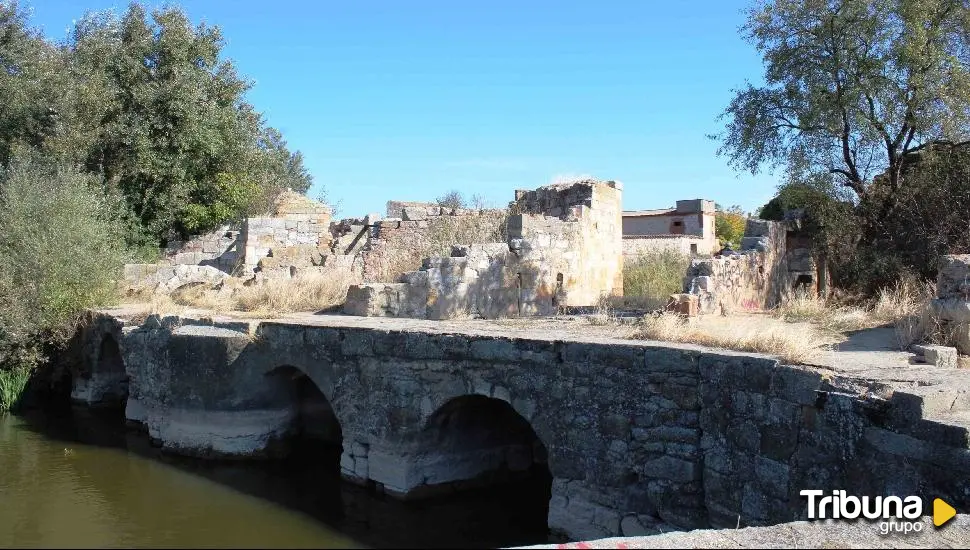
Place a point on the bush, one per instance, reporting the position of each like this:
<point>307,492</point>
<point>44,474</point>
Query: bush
<point>650,278</point>
<point>729,226</point>
<point>61,251</point>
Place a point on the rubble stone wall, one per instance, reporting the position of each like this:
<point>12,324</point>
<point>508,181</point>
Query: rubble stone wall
<point>753,279</point>
<point>776,258</point>
<point>952,303</point>
<point>399,245</point>
<point>564,248</point>
<point>219,248</point>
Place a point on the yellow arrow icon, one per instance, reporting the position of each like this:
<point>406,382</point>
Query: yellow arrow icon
<point>942,512</point>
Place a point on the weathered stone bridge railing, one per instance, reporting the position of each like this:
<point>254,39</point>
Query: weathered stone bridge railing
<point>634,434</point>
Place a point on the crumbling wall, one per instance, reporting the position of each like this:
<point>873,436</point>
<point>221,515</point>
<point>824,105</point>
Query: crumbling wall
<point>400,244</point>
<point>776,259</point>
<point>219,249</point>
<point>952,303</point>
<point>589,254</point>
<point>564,248</point>
<point>166,278</point>
<point>753,279</point>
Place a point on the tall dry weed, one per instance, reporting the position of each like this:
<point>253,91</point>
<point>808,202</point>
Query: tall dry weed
<point>760,334</point>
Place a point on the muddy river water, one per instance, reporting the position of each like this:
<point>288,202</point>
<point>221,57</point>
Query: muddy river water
<point>77,478</point>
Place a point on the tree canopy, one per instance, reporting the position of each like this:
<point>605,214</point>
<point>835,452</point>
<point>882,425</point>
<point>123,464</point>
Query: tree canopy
<point>851,87</point>
<point>145,101</point>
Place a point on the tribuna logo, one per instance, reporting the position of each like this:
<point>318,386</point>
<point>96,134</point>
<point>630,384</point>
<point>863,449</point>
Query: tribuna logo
<point>839,505</point>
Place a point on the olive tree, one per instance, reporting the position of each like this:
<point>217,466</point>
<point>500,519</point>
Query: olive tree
<point>851,88</point>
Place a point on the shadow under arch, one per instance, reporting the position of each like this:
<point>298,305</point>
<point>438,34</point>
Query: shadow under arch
<point>310,448</point>
<point>105,384</point>
<point>473,444</point>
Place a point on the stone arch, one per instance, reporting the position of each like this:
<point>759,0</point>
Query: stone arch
<point>312,419</point>
<point>106,382</point>
<point>310,443</point>
<point>474,441</point>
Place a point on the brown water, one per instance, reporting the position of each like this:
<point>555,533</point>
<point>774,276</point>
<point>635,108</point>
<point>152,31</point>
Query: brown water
<point>78,479</point>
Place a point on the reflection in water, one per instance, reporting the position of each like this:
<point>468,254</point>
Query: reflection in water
<point>80,479</point>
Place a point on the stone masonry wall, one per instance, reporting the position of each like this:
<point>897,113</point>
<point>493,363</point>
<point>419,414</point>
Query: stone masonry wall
<point>399,245</point>
<point>753,279</point>
<point>952,303</point>
<point>770,431</point>
<point>220,249</point>
<point>564,249</point>
<point>639,436</point>
<point>634,246</point>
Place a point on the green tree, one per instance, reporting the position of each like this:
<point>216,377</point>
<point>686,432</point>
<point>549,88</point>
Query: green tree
<point>851,87</point>
<point>30,84</point>
<point>147,102</point>
<point>729,224</point>
<point>61,251</point>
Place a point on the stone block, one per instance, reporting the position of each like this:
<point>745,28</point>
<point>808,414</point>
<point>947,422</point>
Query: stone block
<point>683,304</point>
<point>939,356</point>
<point>672,469</point>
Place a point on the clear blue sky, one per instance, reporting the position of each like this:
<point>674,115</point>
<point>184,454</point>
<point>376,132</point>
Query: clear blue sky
<point>407,100</point>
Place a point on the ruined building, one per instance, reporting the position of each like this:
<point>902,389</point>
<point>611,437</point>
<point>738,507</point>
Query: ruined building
<point>555,247</point>
<point>775,260</point>
<point>563,248</point>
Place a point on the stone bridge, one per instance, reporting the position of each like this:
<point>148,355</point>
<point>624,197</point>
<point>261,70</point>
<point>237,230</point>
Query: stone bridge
<point>633,435</point>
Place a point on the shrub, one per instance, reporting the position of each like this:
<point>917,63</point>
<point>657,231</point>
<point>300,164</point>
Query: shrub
<point>729,225</point>
<point>13,382</point>
<point>650,278</point>
<point>61,251</point>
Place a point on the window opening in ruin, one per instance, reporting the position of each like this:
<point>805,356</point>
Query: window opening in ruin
<point>677,227</point>
<point>518,288</point>
<point>693,248</point>
<point>558,292</point>
<point>292,271</point>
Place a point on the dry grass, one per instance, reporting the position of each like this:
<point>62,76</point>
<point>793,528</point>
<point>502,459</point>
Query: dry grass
<point>273,298</point>
<point>906,299</point>
<point>650,278</point>
<point>755,333</point>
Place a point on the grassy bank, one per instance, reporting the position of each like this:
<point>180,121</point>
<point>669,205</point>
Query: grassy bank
<point>13,382</point>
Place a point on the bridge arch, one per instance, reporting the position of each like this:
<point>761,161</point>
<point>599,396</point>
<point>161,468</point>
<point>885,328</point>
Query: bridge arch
<point>313,423</point>
<point>311,441</point>
<point>475,442</point>
<point>104,382</point>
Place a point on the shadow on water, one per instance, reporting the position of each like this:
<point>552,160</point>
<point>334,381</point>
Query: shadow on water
<point>308,482</point>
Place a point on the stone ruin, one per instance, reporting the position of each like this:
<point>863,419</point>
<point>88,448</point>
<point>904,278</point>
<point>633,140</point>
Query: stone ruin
<point>563,248</point>
<point>952,303</point>
<point>554,247</point>
<point>775,260</point>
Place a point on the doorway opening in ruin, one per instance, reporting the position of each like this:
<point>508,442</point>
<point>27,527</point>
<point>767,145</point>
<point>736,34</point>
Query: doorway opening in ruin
<point>480,451</point>
<point>803,283</point>
<point>309,452</point>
